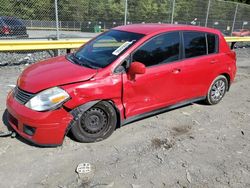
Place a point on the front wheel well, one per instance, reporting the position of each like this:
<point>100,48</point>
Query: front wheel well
<point>93,121</point>
<point>90,104</point>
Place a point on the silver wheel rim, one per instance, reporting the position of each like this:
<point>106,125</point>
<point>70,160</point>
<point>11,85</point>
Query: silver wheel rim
<point>218,90</point>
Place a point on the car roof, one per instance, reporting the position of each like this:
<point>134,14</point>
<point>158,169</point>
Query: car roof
<point>148,29</point>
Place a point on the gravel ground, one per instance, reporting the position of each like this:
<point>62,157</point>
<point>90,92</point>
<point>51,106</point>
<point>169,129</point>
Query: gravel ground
<point>194,146</point>
<point>24,58</point>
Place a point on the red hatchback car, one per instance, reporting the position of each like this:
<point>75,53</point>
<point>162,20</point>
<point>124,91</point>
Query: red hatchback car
<point>125,74</point>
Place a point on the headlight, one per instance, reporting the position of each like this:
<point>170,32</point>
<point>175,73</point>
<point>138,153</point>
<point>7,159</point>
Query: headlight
<point>48,99</point>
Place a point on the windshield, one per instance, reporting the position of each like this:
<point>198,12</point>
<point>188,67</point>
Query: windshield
<point>106,48</point>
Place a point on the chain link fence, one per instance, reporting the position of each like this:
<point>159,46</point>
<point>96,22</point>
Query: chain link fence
<point>83,18</point>
<point>60,19</point>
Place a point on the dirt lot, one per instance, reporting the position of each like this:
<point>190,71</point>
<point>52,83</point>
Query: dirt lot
<point>193,146</point>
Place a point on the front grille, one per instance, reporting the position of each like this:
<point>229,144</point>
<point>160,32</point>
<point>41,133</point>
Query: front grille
<point>22,96</point>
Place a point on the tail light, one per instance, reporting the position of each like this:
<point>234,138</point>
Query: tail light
<point>6,30</point>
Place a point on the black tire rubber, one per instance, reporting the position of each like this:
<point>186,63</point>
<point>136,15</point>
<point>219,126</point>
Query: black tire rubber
<point>209,100</point>
<point>95,124</point>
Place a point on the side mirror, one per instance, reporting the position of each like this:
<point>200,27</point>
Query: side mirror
<point>135,68</point>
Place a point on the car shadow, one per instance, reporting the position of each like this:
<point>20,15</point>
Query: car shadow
<point>71,136</point>
<point>165,111</point>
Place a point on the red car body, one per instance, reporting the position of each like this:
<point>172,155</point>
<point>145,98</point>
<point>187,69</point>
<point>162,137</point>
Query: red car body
<point>167,85</point>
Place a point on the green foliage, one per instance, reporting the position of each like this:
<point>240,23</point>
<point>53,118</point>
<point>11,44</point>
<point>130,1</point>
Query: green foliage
<point>26,9</point>
<point>113,10</point>
<point>5,7</point>
<point>149,10</point>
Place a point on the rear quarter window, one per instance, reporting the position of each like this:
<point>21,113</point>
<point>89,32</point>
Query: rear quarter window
<point>212,43</point>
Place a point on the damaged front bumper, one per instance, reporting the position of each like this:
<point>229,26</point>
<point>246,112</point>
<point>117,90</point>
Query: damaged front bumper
<point>41,128</point>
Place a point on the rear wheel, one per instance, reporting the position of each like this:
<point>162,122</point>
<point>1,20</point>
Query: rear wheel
<point>95,124</point>
<point>217,90</point>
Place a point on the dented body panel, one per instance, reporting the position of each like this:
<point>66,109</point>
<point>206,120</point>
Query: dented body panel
<point>98,88</point>
<point>53,72</point>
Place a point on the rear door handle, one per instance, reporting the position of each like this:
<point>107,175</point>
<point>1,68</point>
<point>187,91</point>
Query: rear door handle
<point>176,71</point>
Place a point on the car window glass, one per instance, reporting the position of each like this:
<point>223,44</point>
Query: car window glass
<point>194,44</point>
<point>12,21</point>
<point>106,48</point>
<point>212,43</point>
<point>161,49</point>
<point>106,42</point>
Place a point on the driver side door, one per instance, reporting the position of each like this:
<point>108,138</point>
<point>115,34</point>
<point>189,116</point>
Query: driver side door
<point>157,88</point>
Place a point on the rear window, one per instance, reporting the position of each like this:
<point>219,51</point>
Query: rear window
<point>194,44</point>
<point>12,21</point>
<point>212,43</point>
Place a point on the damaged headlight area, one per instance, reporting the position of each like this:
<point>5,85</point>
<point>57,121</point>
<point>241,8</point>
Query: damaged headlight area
<point>48,99</point>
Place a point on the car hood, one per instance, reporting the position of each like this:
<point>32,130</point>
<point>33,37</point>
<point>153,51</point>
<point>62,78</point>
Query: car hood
<point>53,72</point>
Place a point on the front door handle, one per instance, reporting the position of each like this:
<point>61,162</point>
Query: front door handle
<point>213,61</point>
<point>176,71</point>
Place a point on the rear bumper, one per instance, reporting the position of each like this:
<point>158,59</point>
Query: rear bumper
<point>49,127</point>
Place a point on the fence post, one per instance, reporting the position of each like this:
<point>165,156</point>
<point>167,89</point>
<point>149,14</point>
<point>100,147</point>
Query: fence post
<point>57,20</point>
<point>208,10</point>
<point>57,52</point>
<point>126,12</point>
<point>235,14</point>
<point>172,16</point>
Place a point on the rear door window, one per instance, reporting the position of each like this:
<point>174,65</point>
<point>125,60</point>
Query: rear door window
<point>212,43</point>
<point>161,49</point>
<point>194,44</point>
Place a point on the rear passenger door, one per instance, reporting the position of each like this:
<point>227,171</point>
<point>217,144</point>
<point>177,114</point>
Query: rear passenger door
<point>199,62</point>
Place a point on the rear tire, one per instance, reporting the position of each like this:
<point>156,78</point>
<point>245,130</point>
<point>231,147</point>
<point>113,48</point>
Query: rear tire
<point>217,90</point>
<point>95,124</point>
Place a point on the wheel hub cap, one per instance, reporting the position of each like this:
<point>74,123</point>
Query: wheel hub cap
<point>218,90</point>
<point>94,121</point>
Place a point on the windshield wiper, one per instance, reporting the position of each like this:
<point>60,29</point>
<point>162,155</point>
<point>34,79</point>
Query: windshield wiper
<point>88,59</point>
<point>80,62</point>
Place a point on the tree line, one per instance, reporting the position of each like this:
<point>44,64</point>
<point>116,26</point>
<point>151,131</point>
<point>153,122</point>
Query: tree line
<point>113,10</point>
